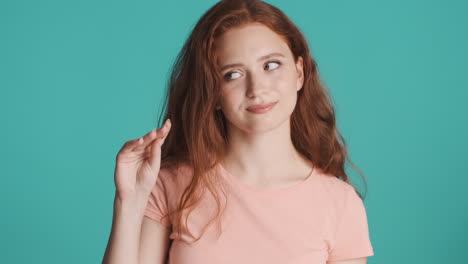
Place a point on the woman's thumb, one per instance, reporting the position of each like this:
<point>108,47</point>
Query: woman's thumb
<point>156,152</point>
<point>158,142</point>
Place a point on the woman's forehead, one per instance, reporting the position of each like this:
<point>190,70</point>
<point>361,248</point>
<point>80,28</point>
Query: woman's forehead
<point>249,42</point>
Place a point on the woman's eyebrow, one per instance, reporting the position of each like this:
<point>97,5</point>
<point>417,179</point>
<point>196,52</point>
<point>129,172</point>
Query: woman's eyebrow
<point>264,57</point>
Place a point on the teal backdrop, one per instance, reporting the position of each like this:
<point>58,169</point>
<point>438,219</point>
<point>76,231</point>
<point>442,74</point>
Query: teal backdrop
<point>79,78</point>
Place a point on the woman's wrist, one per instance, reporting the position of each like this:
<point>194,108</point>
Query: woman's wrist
<point>130,205</point>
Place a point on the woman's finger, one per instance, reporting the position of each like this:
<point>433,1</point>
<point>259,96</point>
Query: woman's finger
<point>129,146</point>
<point>146,140</point>
<point>155,157</point>
<point>165,134</point>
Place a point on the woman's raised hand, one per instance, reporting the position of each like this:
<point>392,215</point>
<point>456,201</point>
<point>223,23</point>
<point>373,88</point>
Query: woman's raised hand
<point>138,163</point>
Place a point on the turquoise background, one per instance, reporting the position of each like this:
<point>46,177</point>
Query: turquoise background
<point>79,78</point>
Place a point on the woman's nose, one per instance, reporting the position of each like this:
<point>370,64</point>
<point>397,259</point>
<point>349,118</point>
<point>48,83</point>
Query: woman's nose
<point>255,84</point>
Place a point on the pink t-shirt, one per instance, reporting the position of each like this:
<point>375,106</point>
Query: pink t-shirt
<point>318,220</point>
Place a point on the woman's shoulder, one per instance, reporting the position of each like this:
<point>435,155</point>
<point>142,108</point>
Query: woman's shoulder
<point>332,185</point>
<point>175,173</point>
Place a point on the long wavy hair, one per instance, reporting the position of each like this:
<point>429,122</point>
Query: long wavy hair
<point>198,136</point>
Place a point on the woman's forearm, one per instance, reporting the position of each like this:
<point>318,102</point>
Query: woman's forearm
<point>124,239</point>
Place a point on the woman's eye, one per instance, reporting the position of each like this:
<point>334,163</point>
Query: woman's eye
<point>269,66</point>
<point>231,75</point>
<point>273,63</point>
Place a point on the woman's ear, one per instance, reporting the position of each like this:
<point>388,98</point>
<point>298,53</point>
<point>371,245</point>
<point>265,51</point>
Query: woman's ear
<point>300,73</point>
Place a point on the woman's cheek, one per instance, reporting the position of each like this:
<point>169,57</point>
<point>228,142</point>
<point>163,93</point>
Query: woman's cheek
<point>278,82</point>
<point>233,98</point>
<point>288,81</point>
<point>279,77</point>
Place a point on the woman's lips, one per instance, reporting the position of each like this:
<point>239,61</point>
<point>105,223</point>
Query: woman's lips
<point>261,108</point>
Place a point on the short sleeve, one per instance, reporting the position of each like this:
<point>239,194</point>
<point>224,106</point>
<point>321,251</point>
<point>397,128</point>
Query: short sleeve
<point>157,205</point>
<point>351,239</point>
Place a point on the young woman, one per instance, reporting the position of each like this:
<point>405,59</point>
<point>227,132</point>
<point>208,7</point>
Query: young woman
<point>251,145</point>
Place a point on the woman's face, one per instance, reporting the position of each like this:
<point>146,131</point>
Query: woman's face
<point>257,68</point>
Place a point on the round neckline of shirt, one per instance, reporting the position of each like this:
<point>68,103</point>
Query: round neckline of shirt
<point>227,175</point>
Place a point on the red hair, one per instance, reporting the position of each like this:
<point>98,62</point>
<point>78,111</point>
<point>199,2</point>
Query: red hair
<point>198,136</point>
